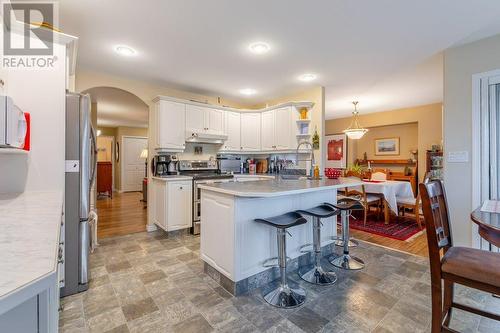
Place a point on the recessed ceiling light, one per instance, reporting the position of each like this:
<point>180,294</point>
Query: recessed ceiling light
<point>124,50</point>
<point>248,91</point>
<point>259,47</point>
<point>308,77</point>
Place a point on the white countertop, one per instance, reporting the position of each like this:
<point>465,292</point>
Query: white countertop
<point>273,188</point>
<point>29,233</point>
<point>171,178</point>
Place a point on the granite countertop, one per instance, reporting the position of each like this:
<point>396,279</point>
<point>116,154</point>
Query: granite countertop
<point>173,178</point>
<point>278,187</point>
<point>29,238</point>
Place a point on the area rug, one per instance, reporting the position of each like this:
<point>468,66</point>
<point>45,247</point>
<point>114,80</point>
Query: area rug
<point>400,227</point>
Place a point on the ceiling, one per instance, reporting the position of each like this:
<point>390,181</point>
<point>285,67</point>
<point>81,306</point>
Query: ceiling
<point>117,107</point>
<point>385,53</point>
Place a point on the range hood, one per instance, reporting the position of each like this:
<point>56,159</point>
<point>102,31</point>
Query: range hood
<point>206,138</point>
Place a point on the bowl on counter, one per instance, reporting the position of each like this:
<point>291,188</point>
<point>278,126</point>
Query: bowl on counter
<point>332,173</point>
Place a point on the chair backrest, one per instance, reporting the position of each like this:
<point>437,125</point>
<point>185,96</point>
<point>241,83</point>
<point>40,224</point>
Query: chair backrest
<point>379,175</point>
<point>356,190</point>
<point>437,222</point>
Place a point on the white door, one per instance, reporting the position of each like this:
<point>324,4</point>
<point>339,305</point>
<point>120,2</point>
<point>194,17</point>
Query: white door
<point>233,131</point>
<point>170,122</point>
<point>215,121</point>
<point>283,128</point>
<point>267,134</point>
<point>132,165</point>
<point>250,131</point>
<point>195,119</point>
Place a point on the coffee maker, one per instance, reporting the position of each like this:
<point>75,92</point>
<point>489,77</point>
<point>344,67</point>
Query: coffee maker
<point>164,165</point>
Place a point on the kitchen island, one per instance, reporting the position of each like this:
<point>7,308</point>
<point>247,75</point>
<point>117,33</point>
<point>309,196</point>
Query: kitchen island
<point>234,247</point>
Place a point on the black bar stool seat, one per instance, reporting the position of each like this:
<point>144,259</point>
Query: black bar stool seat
<point>284,221</point>
<point>316,273</point>
<point>285,295</point>
<point>347,261</point>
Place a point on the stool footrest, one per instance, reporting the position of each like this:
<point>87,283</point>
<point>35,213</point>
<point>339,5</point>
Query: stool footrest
<point>274,262</point>
<point>301,249</point>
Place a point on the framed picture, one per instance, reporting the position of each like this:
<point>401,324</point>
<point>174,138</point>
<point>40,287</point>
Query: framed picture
<point>387,146</point>
<point>336,151</point>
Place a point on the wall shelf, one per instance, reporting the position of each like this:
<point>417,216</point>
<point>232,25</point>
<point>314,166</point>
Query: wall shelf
<point>303,121</point>
<point>303,136</point>
<point>390,162</point>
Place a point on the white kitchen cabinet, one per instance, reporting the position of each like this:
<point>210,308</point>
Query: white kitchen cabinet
<point>267,131</point>
<point>283,129</point>
<point>172,204</point>
<point>169,120</point>
<point>200,119</point>
<point>179,199</point>
<point>233,131</point>
<point>250,131</point>
<point>277,129</point>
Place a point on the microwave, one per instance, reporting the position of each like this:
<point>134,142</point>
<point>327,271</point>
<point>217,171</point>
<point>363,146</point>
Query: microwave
<point>13,124</point>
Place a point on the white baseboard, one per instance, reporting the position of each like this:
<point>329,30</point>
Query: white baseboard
<point>151,227</point>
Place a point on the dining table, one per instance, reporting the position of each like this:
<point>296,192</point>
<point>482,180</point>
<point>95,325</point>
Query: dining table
<point>488,223</point>
<point>391,190</point>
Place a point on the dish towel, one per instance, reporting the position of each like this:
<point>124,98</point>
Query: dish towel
<point>93,218</point>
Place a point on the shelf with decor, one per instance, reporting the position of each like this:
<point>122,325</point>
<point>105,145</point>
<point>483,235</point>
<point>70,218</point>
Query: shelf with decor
<point>388,162</point>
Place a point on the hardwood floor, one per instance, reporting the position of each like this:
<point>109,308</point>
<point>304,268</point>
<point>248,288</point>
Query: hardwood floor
<point>122,215</point>
<point>416,245</point>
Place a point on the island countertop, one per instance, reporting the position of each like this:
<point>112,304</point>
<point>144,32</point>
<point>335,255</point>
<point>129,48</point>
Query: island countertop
<point>278,187</point>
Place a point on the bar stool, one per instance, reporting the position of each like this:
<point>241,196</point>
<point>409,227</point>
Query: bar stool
<point>285,295</point>
<point>346,261</point>
<point>317,274</point>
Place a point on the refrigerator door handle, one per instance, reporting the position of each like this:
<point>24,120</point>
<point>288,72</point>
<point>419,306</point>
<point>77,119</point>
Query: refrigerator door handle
<point>84,252</point>
<point>94,155</point>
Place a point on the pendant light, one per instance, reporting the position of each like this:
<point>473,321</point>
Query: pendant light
<point>355,131</point>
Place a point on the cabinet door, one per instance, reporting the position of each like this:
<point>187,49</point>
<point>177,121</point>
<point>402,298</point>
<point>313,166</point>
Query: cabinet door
<point>179,198</point>
<point>233,131</point>
<point>171,117</point>
<point>267,130</point>
<point>214,121</point>
<point>283,128</point>
<point>250,131</point>
<point>195,119</point>
<point>160,204</point>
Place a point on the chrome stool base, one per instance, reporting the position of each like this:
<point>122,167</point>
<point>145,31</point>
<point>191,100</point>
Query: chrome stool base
<point>317,275</point>
<point>348,262</point>
<point>285,297</point>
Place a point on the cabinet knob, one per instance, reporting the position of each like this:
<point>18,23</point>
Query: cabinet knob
<point>180,188</point>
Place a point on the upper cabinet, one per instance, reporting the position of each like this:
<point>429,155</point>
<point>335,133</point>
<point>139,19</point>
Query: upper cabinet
<point>233,131</point>
<point>250,131</point>
<point>200,119</point>
<point>169,121</point>
<point>277,129</point>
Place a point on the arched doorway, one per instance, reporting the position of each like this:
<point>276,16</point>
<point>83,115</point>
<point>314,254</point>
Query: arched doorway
<point>121,121</point>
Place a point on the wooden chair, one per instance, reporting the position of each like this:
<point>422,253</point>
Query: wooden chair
<point>379,174</point>
<point>410,203</point>
<point>367,199</point>
<point>470,267</point>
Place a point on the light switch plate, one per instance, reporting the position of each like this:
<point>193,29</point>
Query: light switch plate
<point>72,165</point>
<point>458,156</point>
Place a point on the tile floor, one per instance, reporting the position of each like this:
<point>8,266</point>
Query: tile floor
<point>152,283</point>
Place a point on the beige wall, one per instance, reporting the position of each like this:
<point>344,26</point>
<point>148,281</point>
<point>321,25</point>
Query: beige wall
<point>316,95</point>
<point>427,117</point>
<point>118,133</point>
<point>460,63</point>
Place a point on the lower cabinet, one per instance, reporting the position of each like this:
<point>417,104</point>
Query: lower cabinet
<point>172,207</point>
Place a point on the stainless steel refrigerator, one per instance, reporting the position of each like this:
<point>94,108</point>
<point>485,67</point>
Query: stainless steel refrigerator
<point>81,162</point>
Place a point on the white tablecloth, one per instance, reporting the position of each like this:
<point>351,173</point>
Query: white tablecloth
<point>390,189</point>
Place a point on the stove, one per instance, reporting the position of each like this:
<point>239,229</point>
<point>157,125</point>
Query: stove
<point>203,172</point>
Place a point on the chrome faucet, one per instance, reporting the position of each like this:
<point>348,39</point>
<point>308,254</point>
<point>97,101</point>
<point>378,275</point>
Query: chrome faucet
<point>311,171</point>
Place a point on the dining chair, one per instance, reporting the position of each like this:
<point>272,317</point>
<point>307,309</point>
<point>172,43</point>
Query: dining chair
<point>469,267</point>
<point>410,203</point>
<point>379,174</point>
<point>367,199</point>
